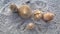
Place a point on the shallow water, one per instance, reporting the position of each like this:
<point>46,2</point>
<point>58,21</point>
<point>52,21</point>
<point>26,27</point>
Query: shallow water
<point>11,23</point>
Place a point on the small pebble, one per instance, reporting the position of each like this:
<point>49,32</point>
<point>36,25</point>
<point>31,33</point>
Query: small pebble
<point>37,15</point>
<point>13,7</point>
<point>48,16</point>
<point>24,11</point>
<point>31,26</point>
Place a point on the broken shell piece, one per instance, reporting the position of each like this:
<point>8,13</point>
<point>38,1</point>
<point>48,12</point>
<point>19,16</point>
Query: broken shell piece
<point>31,26</point>
<point>13,7</point>
<point>38,15</point>
<point>24,11</point>
<point>48,16</point>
